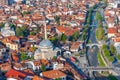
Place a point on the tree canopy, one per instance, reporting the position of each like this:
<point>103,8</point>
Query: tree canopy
<point>58,79</point>
<point>76,35</point>
<point>19,32</point>
<point>23,31</point>
<point>99,17</point>
<point>23,56</point>
<point>57,20</point>
<point>43,68</point>
<point>32,33</point>
<point>113,49</point>
<point>63,38</point>
<point>2,25</point>
<point>54,40</point>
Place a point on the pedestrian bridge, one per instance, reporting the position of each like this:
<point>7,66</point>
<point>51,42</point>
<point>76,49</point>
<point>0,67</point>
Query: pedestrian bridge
<point>93,25</point>
<point>94,45</point>
<point>97,68</point>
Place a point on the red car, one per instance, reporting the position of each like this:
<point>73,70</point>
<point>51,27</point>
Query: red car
<point>72,59</point>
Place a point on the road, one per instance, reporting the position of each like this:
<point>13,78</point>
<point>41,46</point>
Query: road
<point>100,77</point>
<point>76,68</point>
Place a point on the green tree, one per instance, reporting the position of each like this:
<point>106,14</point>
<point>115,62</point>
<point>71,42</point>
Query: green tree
<point>63,37</point>
<point>2,25</point>
<point>89,16</point>
<point>12,26</point>
<point>111,77</point>
<point>85,31</point>
<point>113,49</point>
<point>105,1</point>
<point>100,32</point>
<point>24,30</point>
<point>33,48</point>
<point>107,53</point>
<point>99,17</point>
<point>101,62</point>
<point>32,33</point>
<point>76,35</point>
<point>57,19</point>
<point>88,20</point>
<point>106,27</point>
<point>118,56</point>
<point>19,32</point>
<point>25,12</point>
<point>23,56</point>
<point>43,67</point>
<point>54,58</point>
<point>104,47</point>
<point>36,30</point>
<point>83,35</point>
<point>54,40</point>
<point>58,79</point>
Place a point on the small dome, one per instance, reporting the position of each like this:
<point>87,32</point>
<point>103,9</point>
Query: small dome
<point>45,44</point>
<point>30,53</point>
<point>37,51</point>
<point>57,49</point>
<point>6,25</point>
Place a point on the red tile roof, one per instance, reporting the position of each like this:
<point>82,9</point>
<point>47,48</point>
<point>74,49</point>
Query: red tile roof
<point>112,30</point>
<point>75,45</point>
<point>37,78</point>
<point>117,39</point>
<point>15,74</point>
<point>61,29</point>
<point>55,74</point>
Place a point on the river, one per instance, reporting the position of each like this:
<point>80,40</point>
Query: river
<point>92,53</point>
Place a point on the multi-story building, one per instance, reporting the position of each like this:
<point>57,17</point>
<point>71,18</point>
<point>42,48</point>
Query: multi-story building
<point>6,31</point>
<point>11,42</point>
<point>6,2</point>
<point>3,2</point>
<point>55,75</point>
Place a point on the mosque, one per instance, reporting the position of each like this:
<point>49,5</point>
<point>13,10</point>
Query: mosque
<point>46,50</point>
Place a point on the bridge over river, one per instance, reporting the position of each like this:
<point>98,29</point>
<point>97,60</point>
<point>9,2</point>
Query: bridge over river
<point>93,45</point>
<point>91,68</point>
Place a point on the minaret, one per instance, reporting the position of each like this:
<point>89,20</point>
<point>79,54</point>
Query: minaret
<point>45,33</point>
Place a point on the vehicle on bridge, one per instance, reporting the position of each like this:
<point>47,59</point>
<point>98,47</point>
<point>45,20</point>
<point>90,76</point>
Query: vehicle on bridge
<point>72,59</point>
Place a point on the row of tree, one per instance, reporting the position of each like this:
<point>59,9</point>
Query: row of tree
<point>100,32</point>
<point>24,31</point>
<point>21,31</point>
<point>64,37</point>
<point>84,33</point>
<point>107,53</point>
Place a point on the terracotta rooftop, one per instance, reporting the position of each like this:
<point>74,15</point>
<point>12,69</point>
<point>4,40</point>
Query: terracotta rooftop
<point>112,30</point>
<point>117,39</point>
<point>37,78</point>
<point>15,74</point>
<point>55,74</point>
<point>75,45</point>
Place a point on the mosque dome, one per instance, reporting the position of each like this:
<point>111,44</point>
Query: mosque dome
<point>45,44</point>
